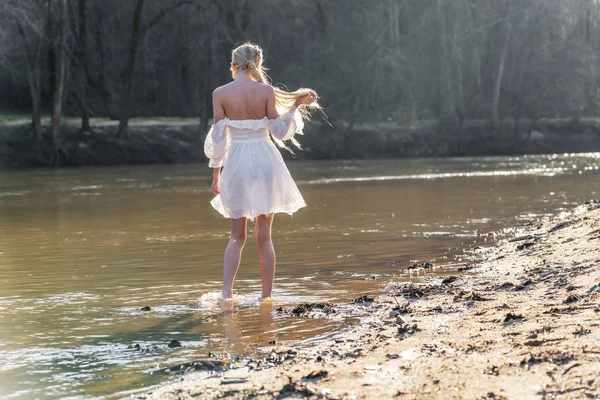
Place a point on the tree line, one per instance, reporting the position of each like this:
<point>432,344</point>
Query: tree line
<point>392,60</point>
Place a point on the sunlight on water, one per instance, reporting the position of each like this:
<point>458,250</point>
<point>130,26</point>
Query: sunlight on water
<point>83,252</point>
<point>532,171</point>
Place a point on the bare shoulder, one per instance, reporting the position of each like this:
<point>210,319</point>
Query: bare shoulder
<point>266,90</point>
<point>224,89</point>
<point>218,92</point>
<point>266,87</point>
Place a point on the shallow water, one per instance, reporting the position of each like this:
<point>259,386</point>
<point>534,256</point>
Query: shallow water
<point>82,250</point>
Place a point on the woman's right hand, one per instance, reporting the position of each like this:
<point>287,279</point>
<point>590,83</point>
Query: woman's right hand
<point>308,99</point>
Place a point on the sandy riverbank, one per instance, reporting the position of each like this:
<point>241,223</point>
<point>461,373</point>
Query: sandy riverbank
<point>523,323</point>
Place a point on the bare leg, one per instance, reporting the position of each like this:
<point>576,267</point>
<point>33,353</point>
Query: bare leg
<point>266,252</point>
<point>233,254</point>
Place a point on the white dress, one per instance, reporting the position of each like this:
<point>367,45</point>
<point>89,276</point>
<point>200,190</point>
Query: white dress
<point>254,180</point>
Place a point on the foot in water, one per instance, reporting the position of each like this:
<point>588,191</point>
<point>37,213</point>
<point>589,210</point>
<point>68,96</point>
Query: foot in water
<point>227,296</point>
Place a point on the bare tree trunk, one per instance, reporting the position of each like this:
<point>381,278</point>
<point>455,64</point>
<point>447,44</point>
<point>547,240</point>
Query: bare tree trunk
<point>590,107</point>
<point>36,99</point>
<point>61,66</point>
<point>394,24</point>
<point>447,108</point>
<point>137,32</point>
<point>82,62</point>
<point>588,21</point>
<point>35,80</point>
<point>34,76</point>
<point>124,115</point>
<point>323,21</point>
<point>101,81</point>
<point>499,77</point>
<point>207,108</point>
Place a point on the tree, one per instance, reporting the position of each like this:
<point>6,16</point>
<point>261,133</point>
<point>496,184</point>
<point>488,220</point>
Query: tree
<point>500,70</point>
<point>28,22</point>
<point>60,15</point>
<point>82,75</point>
<point>402,60</point>
<point>137,33</point>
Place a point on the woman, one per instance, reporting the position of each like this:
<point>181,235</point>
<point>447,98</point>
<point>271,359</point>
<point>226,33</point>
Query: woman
<point>255,183</point>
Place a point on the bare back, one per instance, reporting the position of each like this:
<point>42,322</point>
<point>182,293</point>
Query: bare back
<point>244,99</point>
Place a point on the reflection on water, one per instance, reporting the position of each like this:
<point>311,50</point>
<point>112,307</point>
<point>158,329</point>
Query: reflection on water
<point>264,332</point>
<point>83,250</point>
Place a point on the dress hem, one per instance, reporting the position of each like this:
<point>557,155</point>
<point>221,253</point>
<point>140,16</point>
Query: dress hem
<point>251,216</point>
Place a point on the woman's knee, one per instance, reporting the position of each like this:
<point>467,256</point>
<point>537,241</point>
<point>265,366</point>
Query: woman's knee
<point>239,237</point>
<point>238,230</point>
<point>262,229</point>
<point>256,232</point>
<point>262,235</point>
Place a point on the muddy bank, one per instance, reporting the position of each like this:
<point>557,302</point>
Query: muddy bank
<point>148,143</point>
<point>173,141</point>
<point>521,322</point>
<point>430,138</point>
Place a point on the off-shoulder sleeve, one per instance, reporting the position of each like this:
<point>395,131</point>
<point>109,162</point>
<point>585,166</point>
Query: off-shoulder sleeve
<point>287,125</point>
<point>216,144</point>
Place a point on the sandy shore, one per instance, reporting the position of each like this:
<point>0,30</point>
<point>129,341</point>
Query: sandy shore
<point>523,323</point>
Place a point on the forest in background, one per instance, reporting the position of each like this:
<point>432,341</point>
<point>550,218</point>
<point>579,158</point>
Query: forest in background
<point>402,61</point>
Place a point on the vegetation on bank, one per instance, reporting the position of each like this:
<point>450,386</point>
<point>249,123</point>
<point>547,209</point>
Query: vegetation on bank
<point>163,140</point>
<point>152,141</point>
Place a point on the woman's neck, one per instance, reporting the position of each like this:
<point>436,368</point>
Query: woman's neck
<point>243,76</point>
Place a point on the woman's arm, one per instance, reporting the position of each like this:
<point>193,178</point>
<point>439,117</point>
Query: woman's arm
<point>218,110</point>
<point>218,115</point>
<point>216,144</point>
<point>272,109</point>
<point>284,127</point>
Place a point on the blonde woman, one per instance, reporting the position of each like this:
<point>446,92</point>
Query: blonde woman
<point>254,183</point>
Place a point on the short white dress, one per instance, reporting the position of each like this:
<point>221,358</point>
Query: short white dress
<point>255,179</point>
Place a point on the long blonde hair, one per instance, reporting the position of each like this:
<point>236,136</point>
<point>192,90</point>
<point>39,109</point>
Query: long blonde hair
<point>249,57</point>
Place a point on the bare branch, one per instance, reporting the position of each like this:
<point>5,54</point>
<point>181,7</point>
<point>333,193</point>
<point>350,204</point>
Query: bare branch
<point>163,13</point>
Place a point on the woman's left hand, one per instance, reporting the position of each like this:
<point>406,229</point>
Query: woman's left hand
<point>215,186</point>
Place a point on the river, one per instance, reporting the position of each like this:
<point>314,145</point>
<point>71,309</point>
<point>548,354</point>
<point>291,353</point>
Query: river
<point>83,250</point>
